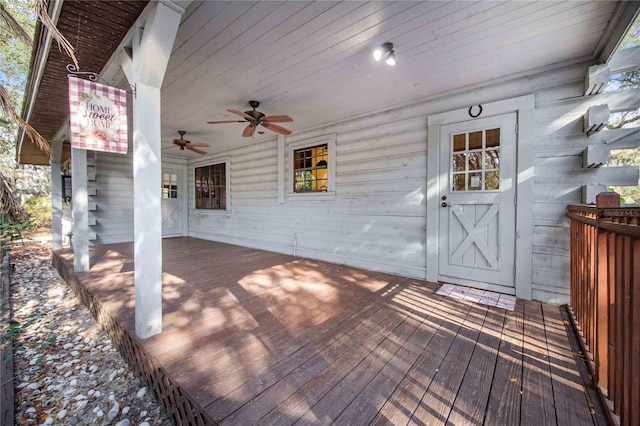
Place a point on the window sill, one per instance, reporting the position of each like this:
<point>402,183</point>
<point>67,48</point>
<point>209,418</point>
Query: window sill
<point>319,196</point>
<point>207,212</point>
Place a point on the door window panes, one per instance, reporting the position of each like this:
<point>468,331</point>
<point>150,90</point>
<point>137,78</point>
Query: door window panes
<point>475,161</point>
<point>169,185</point>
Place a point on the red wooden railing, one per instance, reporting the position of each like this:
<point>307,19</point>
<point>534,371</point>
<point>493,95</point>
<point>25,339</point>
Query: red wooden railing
<point>605,299</point>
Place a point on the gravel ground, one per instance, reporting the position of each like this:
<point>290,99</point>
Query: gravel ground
<point>66,370</point>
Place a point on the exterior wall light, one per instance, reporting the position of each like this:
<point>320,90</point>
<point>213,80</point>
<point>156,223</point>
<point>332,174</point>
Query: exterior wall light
<point>386,48</point>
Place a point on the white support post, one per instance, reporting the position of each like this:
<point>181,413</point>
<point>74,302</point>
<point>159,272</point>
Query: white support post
<point>145,69</point>
<point>147,216</point>
<point>80,200</point>
<point>56,195</point>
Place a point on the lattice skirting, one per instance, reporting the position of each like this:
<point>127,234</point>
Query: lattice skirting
<point>178,405</point>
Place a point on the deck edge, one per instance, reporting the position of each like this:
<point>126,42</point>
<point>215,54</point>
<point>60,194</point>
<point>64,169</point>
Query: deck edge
<point>179,406</point>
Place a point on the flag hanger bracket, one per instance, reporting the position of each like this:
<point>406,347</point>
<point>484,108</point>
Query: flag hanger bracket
<point>73,71</point>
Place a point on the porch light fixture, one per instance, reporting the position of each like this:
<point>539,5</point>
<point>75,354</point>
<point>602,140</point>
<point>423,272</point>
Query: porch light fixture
<point>386,48</point>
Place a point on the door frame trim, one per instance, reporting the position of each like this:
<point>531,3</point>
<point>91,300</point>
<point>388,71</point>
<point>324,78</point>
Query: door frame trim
<point>524,107</point>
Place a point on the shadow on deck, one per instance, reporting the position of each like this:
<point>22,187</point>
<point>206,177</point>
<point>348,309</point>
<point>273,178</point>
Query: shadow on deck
<point>253,337</point>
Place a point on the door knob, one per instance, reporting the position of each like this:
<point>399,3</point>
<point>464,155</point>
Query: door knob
<point>445,204</point>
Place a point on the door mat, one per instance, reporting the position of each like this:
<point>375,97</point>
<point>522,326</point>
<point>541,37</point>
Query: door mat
<point>485,297</point>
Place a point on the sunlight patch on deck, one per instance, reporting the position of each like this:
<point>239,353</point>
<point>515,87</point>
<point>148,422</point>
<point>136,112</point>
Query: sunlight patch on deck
<point>484,297</point>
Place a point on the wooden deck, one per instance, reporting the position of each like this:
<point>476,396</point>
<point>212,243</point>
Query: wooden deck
<point>252,337</point>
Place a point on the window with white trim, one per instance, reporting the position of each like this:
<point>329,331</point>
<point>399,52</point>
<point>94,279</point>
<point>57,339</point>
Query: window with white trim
<point>211,187</point>
<point>312,168</point>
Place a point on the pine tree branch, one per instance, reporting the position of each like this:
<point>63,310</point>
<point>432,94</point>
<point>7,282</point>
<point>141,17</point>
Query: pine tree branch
<point>37,139</point>
<point>8,204</point>
<point>40,7</point>
<point>8,21</point>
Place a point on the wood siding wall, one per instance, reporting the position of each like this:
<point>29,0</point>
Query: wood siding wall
<point>378,218</point>
<point>113,200</point>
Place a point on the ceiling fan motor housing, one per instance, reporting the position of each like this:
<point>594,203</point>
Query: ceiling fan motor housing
<point>256,115</point>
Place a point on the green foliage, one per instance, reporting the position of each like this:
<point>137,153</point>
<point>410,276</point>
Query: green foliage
<point>15,56</point>
<point>12,231</point>
<point>626,80</point>
<point>14,53</point>
<point>16,328</point>
<point>632,38</point>
<point>38,211</point>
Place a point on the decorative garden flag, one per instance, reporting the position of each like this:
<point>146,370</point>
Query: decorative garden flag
<point>98,116</point>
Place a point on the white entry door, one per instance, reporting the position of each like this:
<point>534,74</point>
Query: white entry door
<point>477,202</point>
<point>172,203</point>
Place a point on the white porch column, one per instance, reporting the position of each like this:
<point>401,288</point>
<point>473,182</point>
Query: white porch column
<point>56,195</point>
<point>145,69</point>
<point>80,212</point>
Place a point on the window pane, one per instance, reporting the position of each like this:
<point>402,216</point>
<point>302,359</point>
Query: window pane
<point>475,181</point>
<point>222,203</point>
<point>475,161</point>
<point>492,181</point>
<point>458,182</point>
<point>493,138</point>
<point>459,143</point>
<point>459,162</point>
<point>492,159</point>
<point>475,140</point>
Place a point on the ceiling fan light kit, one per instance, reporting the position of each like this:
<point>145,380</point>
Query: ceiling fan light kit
<point>256,118</point>
<point>386,48</point>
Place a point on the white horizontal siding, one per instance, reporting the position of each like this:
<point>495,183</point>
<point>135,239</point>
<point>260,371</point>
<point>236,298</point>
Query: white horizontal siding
<point>114,198</point>
<point>378,217</point>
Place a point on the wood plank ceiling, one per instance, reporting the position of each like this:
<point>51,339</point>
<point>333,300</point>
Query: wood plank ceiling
<point>313,60</point>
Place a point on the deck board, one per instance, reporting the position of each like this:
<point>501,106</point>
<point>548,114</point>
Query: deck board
<point>473,396</point>
<point>252,337</point>
<point>505,397</point>
<point>536,380</point>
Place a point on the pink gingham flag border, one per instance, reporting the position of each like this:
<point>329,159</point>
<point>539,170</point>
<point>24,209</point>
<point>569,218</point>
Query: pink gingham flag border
<point>118,142</point>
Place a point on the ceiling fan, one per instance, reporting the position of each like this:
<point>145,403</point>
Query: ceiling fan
<point>191,146</point>
<point>255,118</point>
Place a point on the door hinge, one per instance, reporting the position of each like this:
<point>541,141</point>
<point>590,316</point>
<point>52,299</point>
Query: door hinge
<point>515,201</point>
<point>516,128</point>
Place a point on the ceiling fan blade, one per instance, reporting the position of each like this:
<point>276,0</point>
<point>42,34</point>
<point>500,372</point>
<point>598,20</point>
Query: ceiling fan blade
<point>199,151</point>
<point>248,131</point>
<point>199,144</point>
<point>276,128</point>
<point>225,121</point>
<point>241,114</point>
<point>277,119</point>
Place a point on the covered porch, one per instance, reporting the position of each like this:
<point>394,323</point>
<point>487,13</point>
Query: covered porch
<point>255,337</point>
